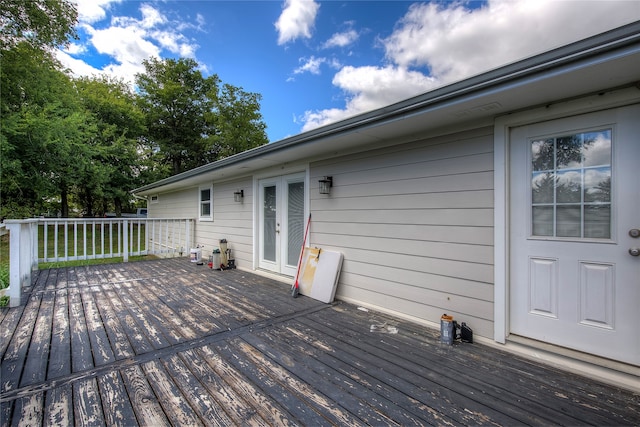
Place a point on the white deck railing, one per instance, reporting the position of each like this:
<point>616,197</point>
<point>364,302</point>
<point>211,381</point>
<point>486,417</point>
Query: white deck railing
<point>68,239</point>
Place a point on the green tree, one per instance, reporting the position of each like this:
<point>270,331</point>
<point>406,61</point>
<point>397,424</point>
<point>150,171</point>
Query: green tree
<point>237,123</point>
<point>192,119</point>
<point>174,97</point>
<point>39,110</point>
<point>119,129</point>
<point>36,100</point>
<point>41,23</point>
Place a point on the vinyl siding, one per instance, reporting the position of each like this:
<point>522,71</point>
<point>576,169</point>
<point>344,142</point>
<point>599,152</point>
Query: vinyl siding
<point>178,204</point>
<point>231,220</point>
<point>415,224</point>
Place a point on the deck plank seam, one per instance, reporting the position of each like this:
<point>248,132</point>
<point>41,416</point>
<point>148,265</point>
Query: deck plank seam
<point>157,354</point>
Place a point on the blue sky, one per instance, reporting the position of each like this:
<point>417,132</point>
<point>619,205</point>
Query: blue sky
<point>317,62</point>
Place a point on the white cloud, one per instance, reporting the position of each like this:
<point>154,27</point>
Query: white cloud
<point>341,39</point>
<point>90,11</point>
<point>151,17</point>
<point>455,42</point>
<point>124,44</point>
<point>128,41</point>
<point>439,43</point>
<point>78,67</point>
<point>75,49</point>
<point>311,65</point>
<point>368,88</point>
<point>296,20</point>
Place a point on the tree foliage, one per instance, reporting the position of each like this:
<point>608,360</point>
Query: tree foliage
<point>192,119</point>
<point>79,146</point>
<point>119,128</point>
<point>39,116</point>
<point>41,23</point>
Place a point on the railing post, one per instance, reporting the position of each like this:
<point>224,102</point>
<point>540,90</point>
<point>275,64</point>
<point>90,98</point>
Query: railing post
<point>187,235</point>
<point>34,244</point>
<point>125,240</point>
<point>22,250</point>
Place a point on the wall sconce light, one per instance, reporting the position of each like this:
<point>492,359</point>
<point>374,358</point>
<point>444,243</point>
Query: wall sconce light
<point>325,184</point>
<point>238,196</point>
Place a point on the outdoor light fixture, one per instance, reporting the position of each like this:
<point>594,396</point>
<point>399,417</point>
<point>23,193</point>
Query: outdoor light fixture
<point>325,185</point>
<point>238,196</point>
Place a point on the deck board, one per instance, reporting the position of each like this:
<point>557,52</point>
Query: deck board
<point>167,342</point>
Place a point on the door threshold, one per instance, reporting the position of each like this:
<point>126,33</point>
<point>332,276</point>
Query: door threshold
<point>606,370</point>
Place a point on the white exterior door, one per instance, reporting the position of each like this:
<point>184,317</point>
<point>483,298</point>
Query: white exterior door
<point>574,206</point>
<point>281,222</point>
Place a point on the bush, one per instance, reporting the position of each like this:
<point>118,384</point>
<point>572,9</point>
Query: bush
<point>4,277</point>
<point>4,283</point>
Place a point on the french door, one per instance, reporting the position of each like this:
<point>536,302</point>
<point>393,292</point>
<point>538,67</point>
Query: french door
<point>281,222</point>
<point>575,221</point>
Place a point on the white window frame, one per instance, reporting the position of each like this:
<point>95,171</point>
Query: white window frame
<point>153,199</point>
<point>201,203</point>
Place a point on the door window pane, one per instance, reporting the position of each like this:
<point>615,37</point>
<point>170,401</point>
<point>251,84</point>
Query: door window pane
<point>597,185</point>
<point>597,220</point>
<point>543,187</point>
<point>543,221</point>
<point>568,221</point>
<point>269,218</point>
<point>571,185</point>
<point>295,221</point>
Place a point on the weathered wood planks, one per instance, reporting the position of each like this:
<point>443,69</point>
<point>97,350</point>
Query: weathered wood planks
<point>170,343</point>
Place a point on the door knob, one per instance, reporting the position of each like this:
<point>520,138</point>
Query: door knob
<point>634,251</point>
<point>634,232</point>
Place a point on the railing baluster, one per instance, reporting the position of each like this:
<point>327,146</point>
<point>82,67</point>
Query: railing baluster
<point>125,240</point>
<point>139,228</point>
<point>46,241</point>
<point>102,239</point>
<point>75,239</point>
<point>55,240</point>
<point>162,236</point>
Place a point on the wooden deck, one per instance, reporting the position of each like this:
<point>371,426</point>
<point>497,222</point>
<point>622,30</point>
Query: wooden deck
<point>170,343</point>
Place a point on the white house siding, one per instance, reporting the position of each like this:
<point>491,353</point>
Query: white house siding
<point>171,235</point>
<point>231,220</point>
<point>177,204</point>
<point>415,224</point>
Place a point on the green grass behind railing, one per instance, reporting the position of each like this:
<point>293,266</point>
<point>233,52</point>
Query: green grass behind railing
<point>5,256</point>
<point>4,268</point>
<point>104,242</point>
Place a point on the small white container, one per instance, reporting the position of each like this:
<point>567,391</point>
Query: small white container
<point>196,254</point>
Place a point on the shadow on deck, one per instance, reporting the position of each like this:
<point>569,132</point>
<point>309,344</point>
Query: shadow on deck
<point>170,343</point>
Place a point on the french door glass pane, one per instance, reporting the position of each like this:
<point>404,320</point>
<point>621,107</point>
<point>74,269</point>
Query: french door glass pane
<point>295,221</point>
<point>269,226</point>
<point>571,185</point>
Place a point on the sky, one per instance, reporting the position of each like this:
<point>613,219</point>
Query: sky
<point>318,62</point>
